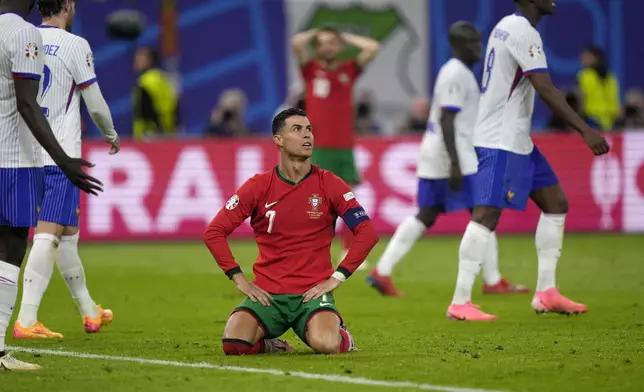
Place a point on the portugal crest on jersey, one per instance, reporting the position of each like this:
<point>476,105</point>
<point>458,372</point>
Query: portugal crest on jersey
<point>315,201</point>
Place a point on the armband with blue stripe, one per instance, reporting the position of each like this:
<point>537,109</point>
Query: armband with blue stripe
<point>354,216</point>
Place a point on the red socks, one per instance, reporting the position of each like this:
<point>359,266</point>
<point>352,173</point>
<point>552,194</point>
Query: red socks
<point>242,347</point>
<point>346,341</point>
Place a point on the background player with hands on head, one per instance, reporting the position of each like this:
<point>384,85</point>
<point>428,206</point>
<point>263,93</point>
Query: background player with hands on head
<point>293,210</point>
<point>511,168</point>
<point>329,82</point>
<point>68,66</point>
<point>23,126</point>
<point>447,163</point>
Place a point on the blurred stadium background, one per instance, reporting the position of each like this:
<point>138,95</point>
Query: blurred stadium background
<point>235,54</point>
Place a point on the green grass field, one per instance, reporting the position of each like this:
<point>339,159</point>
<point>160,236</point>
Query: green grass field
<point>171,302</point>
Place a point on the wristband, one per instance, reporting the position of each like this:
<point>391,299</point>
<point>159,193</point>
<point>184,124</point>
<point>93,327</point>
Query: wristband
<point>339,276</point>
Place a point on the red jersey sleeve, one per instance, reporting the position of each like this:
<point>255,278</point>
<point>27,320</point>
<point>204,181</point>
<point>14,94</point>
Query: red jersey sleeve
<point>346,206</point>
<point>237,209</point>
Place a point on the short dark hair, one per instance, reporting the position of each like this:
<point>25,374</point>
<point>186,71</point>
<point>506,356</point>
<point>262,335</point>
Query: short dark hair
<point>153,56</point>
<point>326,29</point>
<point>49,8</point>
<point>280,119</point>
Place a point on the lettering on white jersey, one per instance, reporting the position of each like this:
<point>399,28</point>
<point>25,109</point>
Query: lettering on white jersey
<point>21,57</point>
<point>456,90</point>
<point>514,51</point>
<point>69,67</point>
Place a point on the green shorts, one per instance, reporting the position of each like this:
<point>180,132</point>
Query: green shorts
<point>340,161</point>
<point>287,311</point>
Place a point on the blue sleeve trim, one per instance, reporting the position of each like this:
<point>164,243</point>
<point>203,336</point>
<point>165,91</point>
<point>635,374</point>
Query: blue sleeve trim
<point>87,83</point>
<point>354,216</point>
<point>26,75</point>
<point>451,108</point>
<point>534,71</point>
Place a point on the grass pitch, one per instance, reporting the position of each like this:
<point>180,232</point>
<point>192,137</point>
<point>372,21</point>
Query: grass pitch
<point>171,303</point>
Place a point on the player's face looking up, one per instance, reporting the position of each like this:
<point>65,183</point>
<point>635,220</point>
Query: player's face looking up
<point>295,138</point>
<point>328,45</point>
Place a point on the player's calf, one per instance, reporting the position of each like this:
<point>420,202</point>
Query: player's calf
<point>486,216</point>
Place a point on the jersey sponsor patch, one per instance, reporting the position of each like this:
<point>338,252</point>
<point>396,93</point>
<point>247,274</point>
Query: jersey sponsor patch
<point>232,203</point>
<point>89,60</point>
<point>348,196</point>
<point>535,51</point>
<point>31,51</point>
<point>354,216</point>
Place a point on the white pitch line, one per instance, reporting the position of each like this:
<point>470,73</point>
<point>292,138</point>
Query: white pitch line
<point>274,372</point>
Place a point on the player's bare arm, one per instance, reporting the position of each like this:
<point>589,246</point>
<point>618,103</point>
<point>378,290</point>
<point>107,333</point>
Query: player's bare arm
<point>300,45</point>
<point>26,93</point>
<point>369,47</point>
<point>449,138</point>
<point>557,103</point>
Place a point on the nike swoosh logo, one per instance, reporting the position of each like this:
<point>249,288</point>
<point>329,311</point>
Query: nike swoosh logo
<point>269,205</point>
<point>325,304</point>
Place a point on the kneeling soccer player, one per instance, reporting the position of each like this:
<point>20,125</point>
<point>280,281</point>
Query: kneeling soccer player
<point>293,209</point>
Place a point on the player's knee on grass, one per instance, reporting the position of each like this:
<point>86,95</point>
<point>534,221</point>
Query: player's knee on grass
<point>487,216</point>
<point>427,215</point>
<point>551,200</point>
<point>242,334</point>
<point>13,244</point>
<point>323,333</point>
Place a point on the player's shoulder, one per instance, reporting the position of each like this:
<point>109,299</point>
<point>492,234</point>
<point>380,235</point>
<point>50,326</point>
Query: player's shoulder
<point>515,25</point>
<point>454,69</point>
<point>261,179</point>
<point>76,41</point>
<point>13,25</point>
<point>327,177</point>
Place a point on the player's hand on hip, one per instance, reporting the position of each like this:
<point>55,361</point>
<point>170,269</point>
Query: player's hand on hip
<point>596,142</point>
<point>73,169</point>
<point>256,294</point>
<point>323,288</point>
<point>455,181</point>
<point>115,144</point>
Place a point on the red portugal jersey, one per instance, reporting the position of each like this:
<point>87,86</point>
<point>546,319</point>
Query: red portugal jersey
<point>294,225</point>
<point>329,103</point>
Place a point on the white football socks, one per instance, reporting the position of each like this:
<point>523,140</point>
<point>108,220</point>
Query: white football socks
<point>549,241</point>
<point>40,265</point>
<point>71,268</point>
<point>491,274</point>
<point>9,275</point>
<point>470,257</point>
<point>406,235</point>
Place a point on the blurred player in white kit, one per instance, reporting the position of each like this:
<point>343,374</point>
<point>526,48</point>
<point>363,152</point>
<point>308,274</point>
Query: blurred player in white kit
<point>23,127</point>
<point>68,75</point>
<point>511,169</point>
<point>447,163</point>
